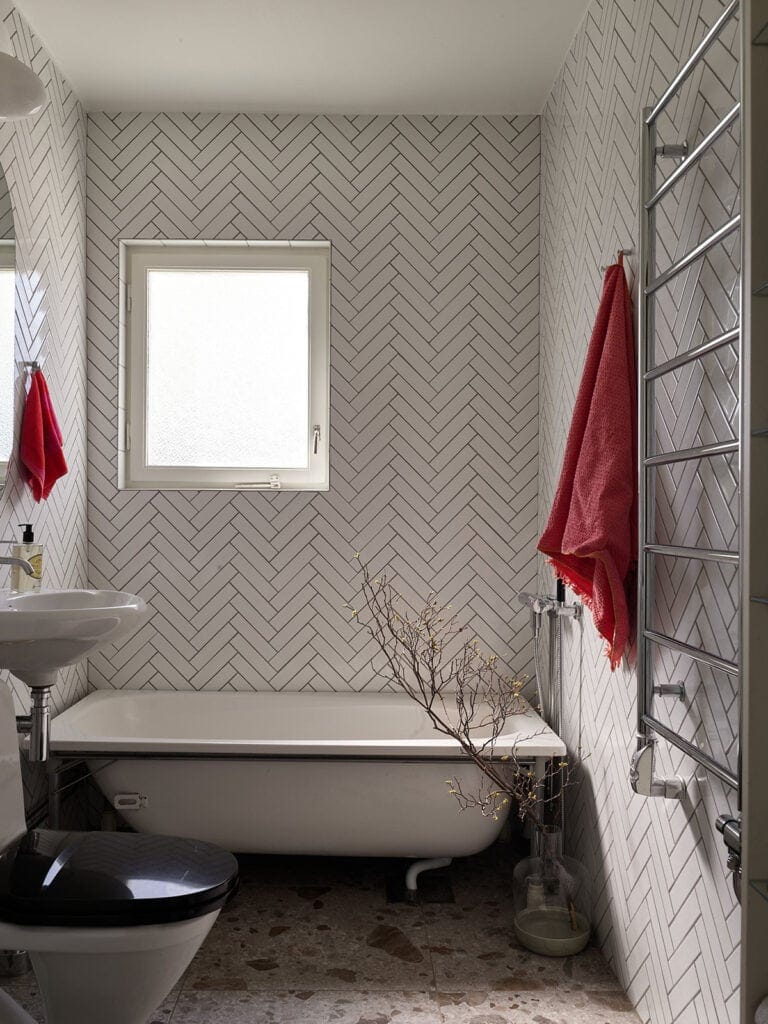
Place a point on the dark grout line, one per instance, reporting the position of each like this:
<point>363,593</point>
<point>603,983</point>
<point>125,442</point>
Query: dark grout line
<point>175,1002</point>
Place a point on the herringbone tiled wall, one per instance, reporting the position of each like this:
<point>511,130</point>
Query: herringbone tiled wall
<point>434,228</point>
<point>43,158</point>
<point>666,915</point>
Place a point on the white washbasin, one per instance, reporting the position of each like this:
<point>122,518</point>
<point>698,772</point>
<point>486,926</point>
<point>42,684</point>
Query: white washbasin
<point>41,632</point>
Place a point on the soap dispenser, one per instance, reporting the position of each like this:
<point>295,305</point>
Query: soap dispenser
<point>32,553</point>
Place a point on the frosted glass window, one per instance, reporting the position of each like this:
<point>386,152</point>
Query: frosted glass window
<point>224,366</point>
<point>228,368</point>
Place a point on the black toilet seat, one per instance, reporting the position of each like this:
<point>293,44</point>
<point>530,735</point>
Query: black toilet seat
<point>111,879</point>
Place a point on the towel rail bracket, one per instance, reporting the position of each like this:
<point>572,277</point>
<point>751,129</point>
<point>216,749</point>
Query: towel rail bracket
<point>643,778</point>
<point>673,150</point>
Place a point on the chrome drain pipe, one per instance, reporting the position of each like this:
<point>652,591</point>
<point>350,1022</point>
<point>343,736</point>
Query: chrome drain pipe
<point>37,725</point>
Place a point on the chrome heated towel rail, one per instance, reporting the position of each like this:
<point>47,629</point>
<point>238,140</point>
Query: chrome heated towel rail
<point>650,639</point>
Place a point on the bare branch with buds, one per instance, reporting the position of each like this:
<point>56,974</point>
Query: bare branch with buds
<point>429,655</point>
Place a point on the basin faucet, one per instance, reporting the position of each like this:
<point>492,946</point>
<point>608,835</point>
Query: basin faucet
<point>21,562</point>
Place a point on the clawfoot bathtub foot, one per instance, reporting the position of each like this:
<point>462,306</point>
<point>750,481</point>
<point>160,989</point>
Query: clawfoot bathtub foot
<point>413,872</point>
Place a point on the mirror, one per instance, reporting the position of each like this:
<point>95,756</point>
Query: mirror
<point>7,323</point>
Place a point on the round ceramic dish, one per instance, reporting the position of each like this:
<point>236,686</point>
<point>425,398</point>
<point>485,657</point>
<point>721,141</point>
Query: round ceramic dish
<point>548,931</point>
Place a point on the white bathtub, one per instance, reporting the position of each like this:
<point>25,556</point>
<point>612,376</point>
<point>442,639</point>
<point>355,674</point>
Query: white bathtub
<point>291,773</point>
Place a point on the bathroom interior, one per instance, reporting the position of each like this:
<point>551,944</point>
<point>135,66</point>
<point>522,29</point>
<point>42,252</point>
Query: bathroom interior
<point>382,412</point>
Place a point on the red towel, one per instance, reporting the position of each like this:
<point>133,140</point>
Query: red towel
<point>42,455</point>
<point>591,536</point>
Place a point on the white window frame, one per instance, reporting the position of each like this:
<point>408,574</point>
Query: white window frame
<point>139,256</point>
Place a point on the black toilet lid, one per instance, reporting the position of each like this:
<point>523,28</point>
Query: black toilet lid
<point>104,879</point>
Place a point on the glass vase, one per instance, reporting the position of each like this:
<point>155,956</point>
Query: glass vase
<point>552,897</point>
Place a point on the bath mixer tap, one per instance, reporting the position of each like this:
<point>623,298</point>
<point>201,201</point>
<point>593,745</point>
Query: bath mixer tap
<point>541,604</point>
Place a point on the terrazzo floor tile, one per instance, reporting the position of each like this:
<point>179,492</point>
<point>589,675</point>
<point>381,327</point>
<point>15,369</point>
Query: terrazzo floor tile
<point>515,970</point>
<point>545,1007</point>
<point>314,937</point>
<point>473,947</point>
<point>307,1007</point>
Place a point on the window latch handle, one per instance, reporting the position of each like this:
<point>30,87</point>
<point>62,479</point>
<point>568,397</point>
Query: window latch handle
<point>315,439</point>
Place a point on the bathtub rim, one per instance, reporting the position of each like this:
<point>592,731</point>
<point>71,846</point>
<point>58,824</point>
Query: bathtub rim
<point>170,755</point>
<point>537,742</point>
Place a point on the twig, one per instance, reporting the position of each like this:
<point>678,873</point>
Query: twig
<point>466,695</point>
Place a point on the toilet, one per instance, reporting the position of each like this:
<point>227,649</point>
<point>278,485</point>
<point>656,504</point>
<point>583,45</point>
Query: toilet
<point>110,920</point>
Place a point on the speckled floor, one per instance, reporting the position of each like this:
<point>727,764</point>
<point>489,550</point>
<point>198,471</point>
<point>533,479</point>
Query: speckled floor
<point>315,942</point>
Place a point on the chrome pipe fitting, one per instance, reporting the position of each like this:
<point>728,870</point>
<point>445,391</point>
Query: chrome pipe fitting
<point>670,690</point>
<point>730,829</point>
<point>541,604</point>
<point>645,782</point>
<point>37,725</point>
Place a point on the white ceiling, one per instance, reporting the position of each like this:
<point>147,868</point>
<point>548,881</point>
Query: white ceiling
<point>309,56</point>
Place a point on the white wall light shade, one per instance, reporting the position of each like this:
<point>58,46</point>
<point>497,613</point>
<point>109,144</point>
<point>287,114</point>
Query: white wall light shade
<point>21,91</point>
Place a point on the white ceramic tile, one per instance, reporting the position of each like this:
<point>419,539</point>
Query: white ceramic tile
<point>665,911</point>
<point>434,227</point>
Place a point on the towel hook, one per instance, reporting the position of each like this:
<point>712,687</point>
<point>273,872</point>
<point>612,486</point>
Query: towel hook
<point>619,255</point>
<point>32,365</point>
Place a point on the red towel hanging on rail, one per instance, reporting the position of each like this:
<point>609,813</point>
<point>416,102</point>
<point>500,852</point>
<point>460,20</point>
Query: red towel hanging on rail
<point>41,449</point>
<point>591,535</point>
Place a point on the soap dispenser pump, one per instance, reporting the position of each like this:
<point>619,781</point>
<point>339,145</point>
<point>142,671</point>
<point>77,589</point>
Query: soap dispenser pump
<point>32,553</point>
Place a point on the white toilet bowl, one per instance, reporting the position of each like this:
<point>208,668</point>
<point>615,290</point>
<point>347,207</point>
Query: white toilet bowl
<point>107,975</point>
